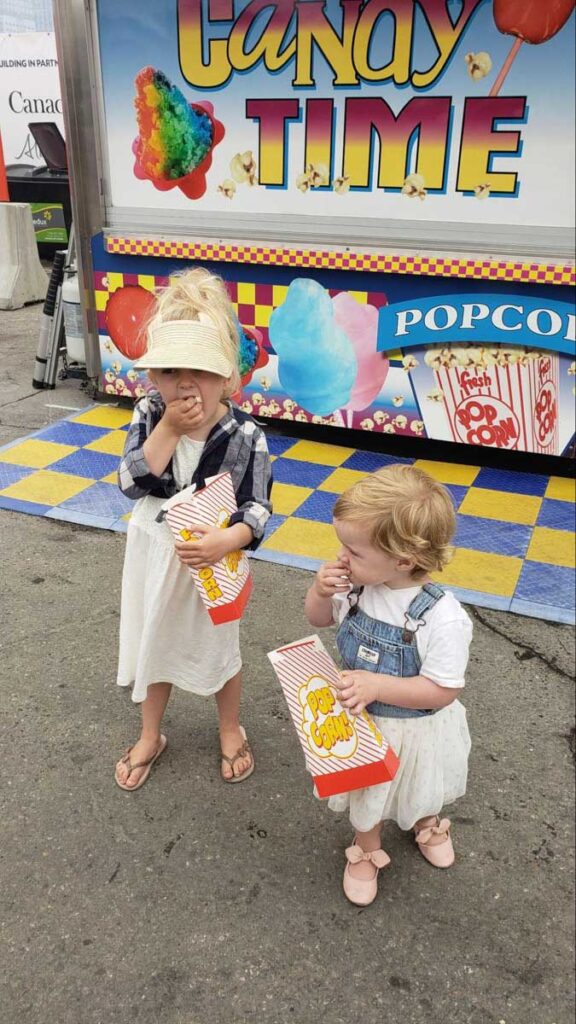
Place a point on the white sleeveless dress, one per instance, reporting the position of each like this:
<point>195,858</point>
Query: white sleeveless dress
<point>166,634</point>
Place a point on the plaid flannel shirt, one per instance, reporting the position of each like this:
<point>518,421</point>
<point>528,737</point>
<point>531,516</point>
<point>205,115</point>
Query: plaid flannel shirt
<point>235,445</point>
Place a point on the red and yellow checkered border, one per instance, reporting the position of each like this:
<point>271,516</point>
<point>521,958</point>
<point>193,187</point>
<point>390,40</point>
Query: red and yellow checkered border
<point>333,260</point>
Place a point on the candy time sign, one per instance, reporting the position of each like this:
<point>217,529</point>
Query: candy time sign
<point>343,108</point>
<point>359,44</point>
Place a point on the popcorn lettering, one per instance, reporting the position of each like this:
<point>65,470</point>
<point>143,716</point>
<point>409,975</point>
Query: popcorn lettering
<point>208,581</point>
<point>332,731</point>
<point>488,421</point>
<point>324,727</point>
<point>507,316</point>
<point>546,414</point>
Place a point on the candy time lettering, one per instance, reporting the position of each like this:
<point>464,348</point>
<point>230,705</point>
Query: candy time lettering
<point>334,728</point>
<point>214,43</point>
<point>347,51</point>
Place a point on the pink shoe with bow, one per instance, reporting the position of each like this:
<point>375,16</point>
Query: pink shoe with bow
<point>437,851</point>
<point>362,891</point>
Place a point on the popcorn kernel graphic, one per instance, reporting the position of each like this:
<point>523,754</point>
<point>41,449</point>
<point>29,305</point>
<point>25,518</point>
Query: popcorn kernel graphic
<point>436,395</point>
<point>409,363</point>
<point>227,188</point>
<point>414,186</point>
<point>318,175</point>
<point>479,65</point>
<point>398,400</point>
<point>341,185</point>
<point>303,182</point>
<point>482,191</point>
<point>243,168</point>
<point>380,417</point>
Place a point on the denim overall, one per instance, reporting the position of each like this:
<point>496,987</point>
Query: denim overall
<point>367,643</point>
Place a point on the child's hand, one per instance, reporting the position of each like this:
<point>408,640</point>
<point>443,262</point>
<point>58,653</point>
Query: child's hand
<point>332,578</point>
<point>357,689</point>
<point>183,415</point>
<point>211,546</point>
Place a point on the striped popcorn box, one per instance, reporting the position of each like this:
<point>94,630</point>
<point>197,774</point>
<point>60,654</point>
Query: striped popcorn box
<point>225,588</point>
<point>342,751</point>
<point>511,401</point>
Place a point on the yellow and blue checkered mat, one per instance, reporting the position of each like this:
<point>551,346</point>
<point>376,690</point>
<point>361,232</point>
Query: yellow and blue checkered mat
<point>515,539</point>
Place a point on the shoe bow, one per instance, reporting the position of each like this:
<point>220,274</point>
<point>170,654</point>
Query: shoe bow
<point>379,858</point>
<point>441,829</point>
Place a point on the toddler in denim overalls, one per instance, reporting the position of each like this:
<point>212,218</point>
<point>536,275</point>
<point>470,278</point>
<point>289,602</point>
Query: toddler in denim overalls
<point>403,641</point>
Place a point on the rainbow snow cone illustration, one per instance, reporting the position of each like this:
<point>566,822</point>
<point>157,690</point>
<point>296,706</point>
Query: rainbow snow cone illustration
<point>176,138</point>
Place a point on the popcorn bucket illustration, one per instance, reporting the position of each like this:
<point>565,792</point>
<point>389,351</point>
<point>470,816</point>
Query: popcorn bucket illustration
<point>225,587</point>
<point>500,398</point>
<point>342,751</point>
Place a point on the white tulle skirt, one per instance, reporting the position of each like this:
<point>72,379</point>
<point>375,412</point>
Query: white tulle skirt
<point>433,753</point>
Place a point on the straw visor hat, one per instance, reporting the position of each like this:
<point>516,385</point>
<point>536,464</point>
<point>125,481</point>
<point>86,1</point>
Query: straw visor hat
<point>186,345</point>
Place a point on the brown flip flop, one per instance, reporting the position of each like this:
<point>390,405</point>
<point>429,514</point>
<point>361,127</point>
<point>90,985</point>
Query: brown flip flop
<point>241,752</point>
<point>141,764</point>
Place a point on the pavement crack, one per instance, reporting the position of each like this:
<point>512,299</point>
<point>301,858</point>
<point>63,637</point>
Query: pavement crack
<point>528,651</point>
<point>32,394</point>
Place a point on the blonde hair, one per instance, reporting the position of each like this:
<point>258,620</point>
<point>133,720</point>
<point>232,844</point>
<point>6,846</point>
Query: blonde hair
<point>190,293</point>
<point>407,513</point>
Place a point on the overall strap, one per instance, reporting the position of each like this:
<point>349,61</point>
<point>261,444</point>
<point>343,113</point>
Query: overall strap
<point>430,594</point>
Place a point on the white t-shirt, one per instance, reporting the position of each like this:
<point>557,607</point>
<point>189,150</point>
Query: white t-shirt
<point>442,642</point>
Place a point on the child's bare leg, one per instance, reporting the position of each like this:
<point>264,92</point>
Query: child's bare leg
<point>152,712</point>
<point>231,739</point>
<point>367,841</point>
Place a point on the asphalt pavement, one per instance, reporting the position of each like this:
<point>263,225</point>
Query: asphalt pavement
<point>192,902</point>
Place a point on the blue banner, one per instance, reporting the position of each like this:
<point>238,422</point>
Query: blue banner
<point>485,319</point>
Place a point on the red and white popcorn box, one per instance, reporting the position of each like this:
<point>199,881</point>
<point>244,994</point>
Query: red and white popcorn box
<point>342,751</point>
<point>500,398</point>
<point>225,587</point>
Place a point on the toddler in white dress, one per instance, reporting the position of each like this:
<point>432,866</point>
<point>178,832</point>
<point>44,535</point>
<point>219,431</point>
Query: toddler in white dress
<point>404,644</point>
<point>182,433</point>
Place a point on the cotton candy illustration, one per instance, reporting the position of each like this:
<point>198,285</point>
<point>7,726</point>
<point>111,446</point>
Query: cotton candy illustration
<point>360,324</point>
<point>316,361</point>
